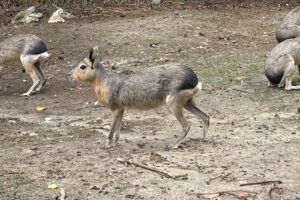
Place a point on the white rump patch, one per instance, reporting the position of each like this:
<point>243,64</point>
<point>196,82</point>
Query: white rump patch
<point>34,58</point>
<point>44,55</point>
<point>199,86</point>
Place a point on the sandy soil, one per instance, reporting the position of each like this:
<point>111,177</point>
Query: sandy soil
<point>254,132</point>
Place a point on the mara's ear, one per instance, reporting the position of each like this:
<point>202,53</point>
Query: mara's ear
<point>91,55</point>
<point>94,54</point>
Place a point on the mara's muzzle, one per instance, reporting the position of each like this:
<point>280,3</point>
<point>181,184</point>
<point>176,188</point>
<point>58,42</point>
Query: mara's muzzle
<point>71,78</point>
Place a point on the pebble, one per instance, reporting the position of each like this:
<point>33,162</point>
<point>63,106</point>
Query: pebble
<point>106,127</point>
<point>12,121</point>
<point>48,119</point>
<point>33,134</point>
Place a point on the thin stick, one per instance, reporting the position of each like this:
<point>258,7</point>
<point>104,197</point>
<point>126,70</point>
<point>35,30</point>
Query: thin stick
<point>214,178</point>
<point>54,4</point>
<point>230,192</point>
<point>239,90</point>
<point>270,192</point>
<point>226,38</point>
<point>127,162</point>
<point>62,194</point>
<point>261,183</point>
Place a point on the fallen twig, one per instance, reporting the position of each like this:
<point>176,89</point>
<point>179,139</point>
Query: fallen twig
<point>261,183</point>
<point>239,90</point>
<point>127,162</point>
<point>235,193</point>
<point>50,77</point>
<point>62,194</point>
<point>226,38</point>
<point>274,189</point>
<point>13,172</point>
<point>214,178</point>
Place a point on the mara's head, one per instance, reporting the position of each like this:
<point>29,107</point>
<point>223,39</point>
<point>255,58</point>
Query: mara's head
<point>86,70</point>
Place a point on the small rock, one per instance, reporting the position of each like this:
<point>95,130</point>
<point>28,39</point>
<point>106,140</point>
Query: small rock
<point>154,45</point>
<point>27,16</point>
<point>95,187</point>
<point>156,1</point>
<point>48,119</point>
<point>12,121</point>
<point>59,15</point>
<point>33,134</point>
<point>23,133</point>
<point>106,127</point>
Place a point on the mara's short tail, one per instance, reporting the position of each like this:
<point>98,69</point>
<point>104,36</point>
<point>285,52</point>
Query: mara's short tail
<point>199,86</point>
<point>44,55</point>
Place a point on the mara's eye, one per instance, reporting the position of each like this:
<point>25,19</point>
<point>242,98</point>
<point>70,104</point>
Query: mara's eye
<point>82,67</point>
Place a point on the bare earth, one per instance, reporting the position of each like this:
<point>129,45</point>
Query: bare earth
<point>254,134</point>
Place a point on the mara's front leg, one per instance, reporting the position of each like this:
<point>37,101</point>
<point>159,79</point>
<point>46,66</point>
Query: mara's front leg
<point>117,116</point>
<point>118,127</point>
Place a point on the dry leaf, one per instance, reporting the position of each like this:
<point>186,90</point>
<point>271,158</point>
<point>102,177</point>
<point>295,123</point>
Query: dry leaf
<point>242,194</point>
<point>39,109</point>
<point>215,196</point>
<point>36,176</point>
<point>52,186</point>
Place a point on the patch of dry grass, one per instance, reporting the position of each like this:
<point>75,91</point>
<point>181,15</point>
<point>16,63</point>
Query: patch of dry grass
<point>83,3</point>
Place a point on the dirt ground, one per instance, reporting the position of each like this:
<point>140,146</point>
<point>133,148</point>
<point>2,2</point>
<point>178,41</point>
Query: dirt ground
<point>254,132</point>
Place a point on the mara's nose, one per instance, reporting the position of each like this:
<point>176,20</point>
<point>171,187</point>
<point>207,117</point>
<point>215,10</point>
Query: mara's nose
<point>71,76</point>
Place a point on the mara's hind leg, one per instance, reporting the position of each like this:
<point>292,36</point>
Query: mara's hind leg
<point>287,63</point>
<point>175,104</point>
<point>118,127</point>
<point>290,70</point>
<point>117,114</point>
<point>190,106</point>
<point>28,64</point>
<point>39,71</point>
<point>1,73</point>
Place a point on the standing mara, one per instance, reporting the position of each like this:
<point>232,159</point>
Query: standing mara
<point>172,84</point>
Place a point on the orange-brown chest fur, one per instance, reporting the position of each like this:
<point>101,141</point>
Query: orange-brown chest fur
<point>102,92</point>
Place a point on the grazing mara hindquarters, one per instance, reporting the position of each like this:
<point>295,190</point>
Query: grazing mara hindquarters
<point>290,26</point>
<point>173,84</point>
<point>282,63</point>
<point>30,50</point>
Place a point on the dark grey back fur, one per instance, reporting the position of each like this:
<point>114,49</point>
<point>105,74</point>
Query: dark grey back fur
<point>290,26</point>
<point>275,63</point>
<point>11,48</point>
